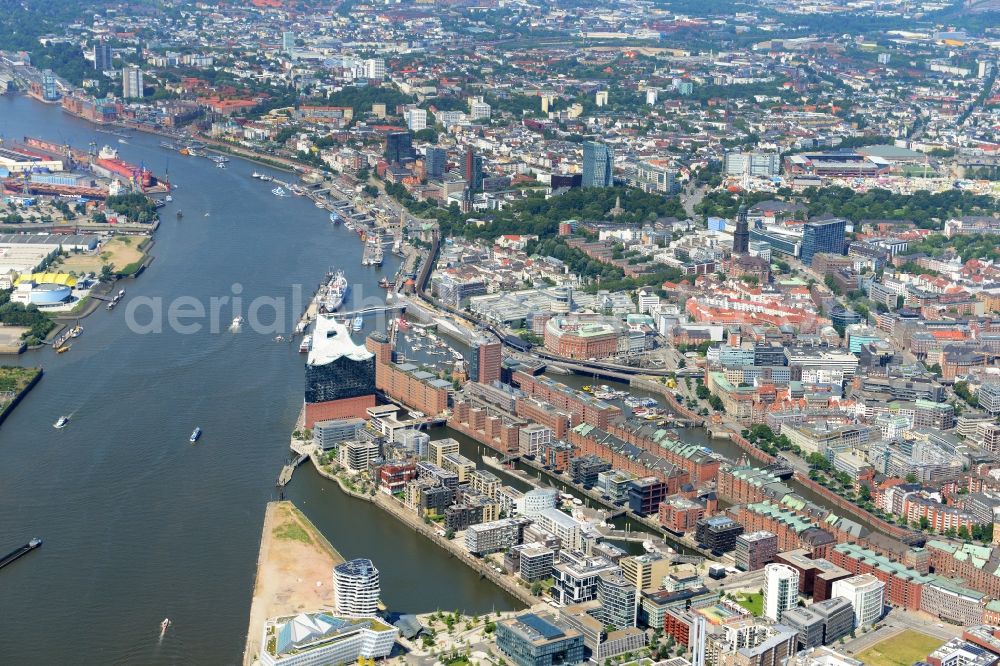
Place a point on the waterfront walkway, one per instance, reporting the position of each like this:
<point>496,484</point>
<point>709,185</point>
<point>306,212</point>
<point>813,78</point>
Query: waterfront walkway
<point>410,519</point>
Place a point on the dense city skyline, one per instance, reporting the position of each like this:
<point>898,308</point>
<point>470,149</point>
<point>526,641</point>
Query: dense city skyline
<point>654,333</point>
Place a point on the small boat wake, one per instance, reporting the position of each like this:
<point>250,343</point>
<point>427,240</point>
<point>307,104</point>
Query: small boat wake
<point>163,627</point>
<point>237,324</point>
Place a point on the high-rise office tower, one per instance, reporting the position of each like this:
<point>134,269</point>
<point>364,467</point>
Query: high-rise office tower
<point>102,56</point>
<point>398,147</point>
<point>374,68</point>
<point>131,82</point>
<point>867,596</point>
<point>781,590</point>
<point>484,366</point>
<point>435,161</point>
<point>598,164</point>
<point>358,588</point>
<point>416,119</point>
<point>472,170</point>
<point>288,41</point>
<point>741,237</point>
<point>617,597</point>
<point>823,236</point>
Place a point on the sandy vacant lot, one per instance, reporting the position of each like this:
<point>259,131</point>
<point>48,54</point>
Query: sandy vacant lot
<point>119,252</point>
<point>294,571</point>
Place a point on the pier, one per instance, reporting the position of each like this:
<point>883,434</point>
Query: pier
<point>286,472</point>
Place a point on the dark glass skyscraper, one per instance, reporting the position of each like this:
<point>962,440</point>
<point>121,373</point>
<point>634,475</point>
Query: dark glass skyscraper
<point>822,236</point>
<point>339,379</point>
<point>398,147</point>
<point>102,56</point>
<point>598,164</point>
<point>435,161</point>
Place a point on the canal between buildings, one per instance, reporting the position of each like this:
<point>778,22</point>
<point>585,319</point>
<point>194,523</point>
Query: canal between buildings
<point>138,523</point>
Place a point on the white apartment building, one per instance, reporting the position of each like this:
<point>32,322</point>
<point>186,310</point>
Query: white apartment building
<point>416,120</point>
<point>357,588</point>
<point>866,594</point>
<point>374,68</point>
<point>567,528</point>
<point>480,110</point>
<point>532,438</point>
<point>534,502</point>
<point>781,590</point>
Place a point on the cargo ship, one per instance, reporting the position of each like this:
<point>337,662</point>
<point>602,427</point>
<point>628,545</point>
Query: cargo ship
<point>109,165</point>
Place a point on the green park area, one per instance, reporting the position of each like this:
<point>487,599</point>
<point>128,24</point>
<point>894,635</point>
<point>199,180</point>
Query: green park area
<point>753,602</point>
<point>14,379</point>
<point>902,649</point>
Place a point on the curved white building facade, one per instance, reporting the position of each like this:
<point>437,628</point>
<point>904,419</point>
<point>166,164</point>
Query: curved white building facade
<point>358,589</point>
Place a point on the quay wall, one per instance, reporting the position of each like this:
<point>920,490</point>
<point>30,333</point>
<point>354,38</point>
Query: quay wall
<point>411,520</point>
<point>20,396</point>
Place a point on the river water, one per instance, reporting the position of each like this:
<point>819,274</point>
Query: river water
<point>138,523</point>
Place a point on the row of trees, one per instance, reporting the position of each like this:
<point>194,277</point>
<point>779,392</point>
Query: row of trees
<point>362,98</point>
<point>762,437</point>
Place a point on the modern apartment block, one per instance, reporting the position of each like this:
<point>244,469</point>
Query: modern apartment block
<point>535,640</point>
<point>357,588</point>
<point>821,623</point>
<point>576,577</point>
<point>718,533</point>
<point>781,590</point>
<point>866,594</point>
<point>755,549</point>
<point>492,537</point>
<point>309,639</point>
<point>616,596</point>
